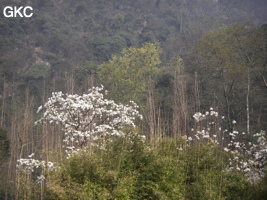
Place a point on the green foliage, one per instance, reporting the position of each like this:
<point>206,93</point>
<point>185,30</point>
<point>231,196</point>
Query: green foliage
<point>38,71</point>
<point>224,59</point>
<point>126,76</point>
<point>4,145</point>
<point>235,187</point>
<point>35,78</point>
<point>83,72</point>
<point>105,45</point>
<point>99,174</point>
<point>132,169</point>
<point>163,175</point>
<point>4,44</point>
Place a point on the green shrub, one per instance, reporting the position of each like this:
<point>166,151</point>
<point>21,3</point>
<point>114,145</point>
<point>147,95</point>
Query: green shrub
<point>130,168</point>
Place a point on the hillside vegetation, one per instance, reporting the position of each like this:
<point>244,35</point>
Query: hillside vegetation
<point>180,61</point>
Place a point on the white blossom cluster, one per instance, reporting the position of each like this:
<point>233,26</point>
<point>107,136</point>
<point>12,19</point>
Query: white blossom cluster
<point>40,179</point>
<point>88,117</point>
<point>199,116</point>
<point>251,159</point>
<point>29,165</point>
<point>207,127</point>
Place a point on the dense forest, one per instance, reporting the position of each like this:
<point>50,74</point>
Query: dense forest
<point>131,99</point>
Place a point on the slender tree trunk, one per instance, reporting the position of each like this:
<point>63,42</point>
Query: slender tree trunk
<point>151,109</point>
<point>181,19</point>
<point>3,102</point>
<point>180,108</point>
<point>197,95</point>
<point>264,80</point>
<point>90,81</point>
<point>175,118</point>
<point>70,83</point>
<point>247,102</point>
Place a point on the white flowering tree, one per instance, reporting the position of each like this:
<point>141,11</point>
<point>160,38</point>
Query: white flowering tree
<point>84,119</point>
<point>251,158</point>
<point>246,157</point>
<point>88,117</point>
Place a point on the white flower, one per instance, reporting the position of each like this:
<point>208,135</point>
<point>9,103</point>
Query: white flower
<point>247,170</point>
<point>40,178</point>
<point>31,155</point>
<point>198,116</point>
<point>234,122</point>
<point>78,115</point>
<point>206,136</point>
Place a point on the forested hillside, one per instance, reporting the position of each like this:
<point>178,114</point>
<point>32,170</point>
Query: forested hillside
<point>196,71</point>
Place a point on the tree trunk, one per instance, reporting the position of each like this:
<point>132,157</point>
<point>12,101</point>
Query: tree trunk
<point>3,102</point>
<point>197,96</point>
<point>180,109</point>
<point>247,102</point>
<point>151,109</point>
